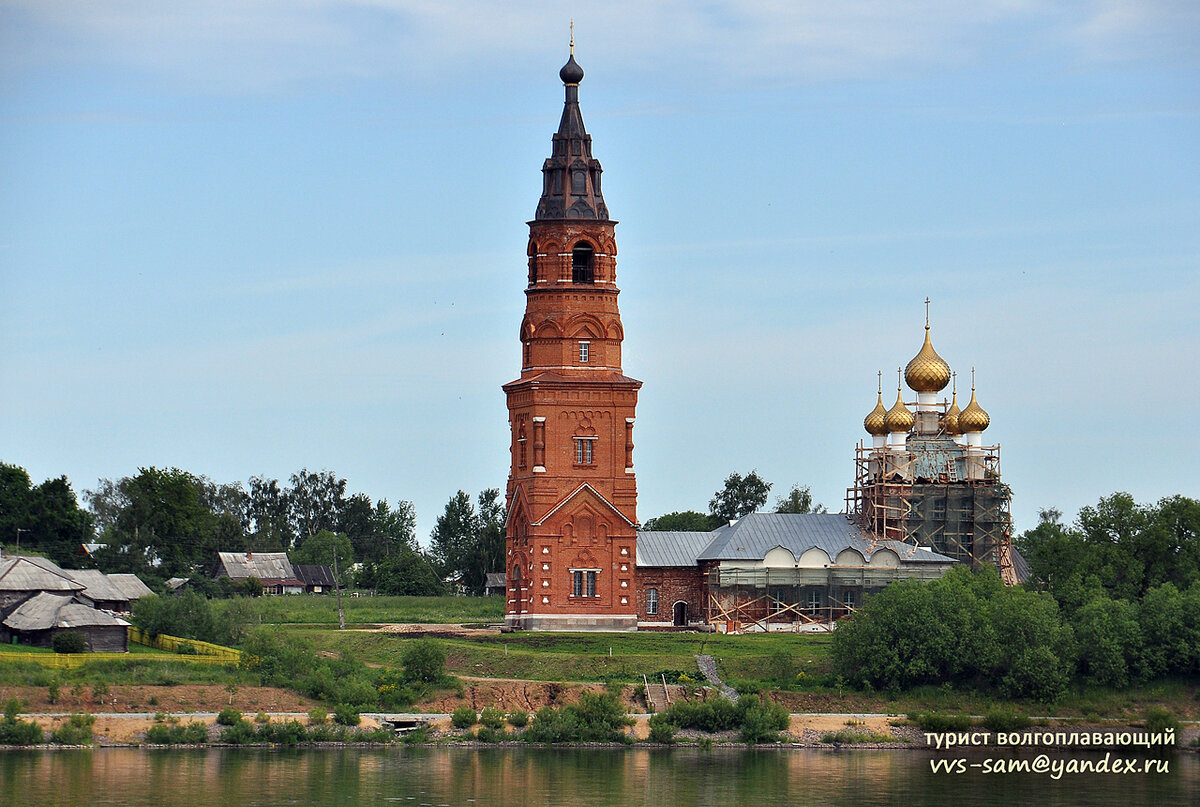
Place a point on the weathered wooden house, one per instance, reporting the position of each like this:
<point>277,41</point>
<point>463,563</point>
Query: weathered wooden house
<point>36,621</point>
<point>24,576</point>
<point>316,579</point>
<point>272,569</point>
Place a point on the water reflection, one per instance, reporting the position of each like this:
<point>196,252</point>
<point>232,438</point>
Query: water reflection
<point>526,777</point>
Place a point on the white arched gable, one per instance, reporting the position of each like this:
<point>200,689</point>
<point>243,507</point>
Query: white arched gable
<point>851,557</point>
<point>815,558</point>
<point>779,557</point>
<point>885,557</point>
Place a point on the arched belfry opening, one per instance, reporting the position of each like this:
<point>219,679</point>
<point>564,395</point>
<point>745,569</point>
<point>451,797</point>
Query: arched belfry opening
<point>582,268</point>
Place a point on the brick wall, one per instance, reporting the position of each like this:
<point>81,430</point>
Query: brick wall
<point>674,584</point>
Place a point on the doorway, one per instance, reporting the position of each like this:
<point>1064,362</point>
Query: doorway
<point>681,615</point>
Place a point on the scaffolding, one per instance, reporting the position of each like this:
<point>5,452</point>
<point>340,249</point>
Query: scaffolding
<point>760,599</point>
<point>937,494</point>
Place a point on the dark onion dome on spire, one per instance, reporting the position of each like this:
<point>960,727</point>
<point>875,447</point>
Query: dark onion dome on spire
<point>571,72</point>
<point>571,176</point>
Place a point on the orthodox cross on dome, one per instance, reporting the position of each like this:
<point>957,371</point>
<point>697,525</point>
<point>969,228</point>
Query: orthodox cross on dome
<point>926,313</point>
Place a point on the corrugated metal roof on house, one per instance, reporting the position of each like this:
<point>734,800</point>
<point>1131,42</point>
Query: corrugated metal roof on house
<point>25,573</point>
<point>260,565</point>
<point>314,575</point>
<point>46,611</point>
<point>670,548</point>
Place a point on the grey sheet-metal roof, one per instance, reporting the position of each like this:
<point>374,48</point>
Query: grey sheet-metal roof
<point>25,573</point>
<point>670,547</point>
<point>97,586</point>
<point>46,611</point>
<point>495,580</point>
<point>752,537</point>
<point>260,565</point>
<point>130,585</point>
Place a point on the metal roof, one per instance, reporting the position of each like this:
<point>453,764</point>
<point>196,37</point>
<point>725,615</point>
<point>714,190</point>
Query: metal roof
<point>260,565</point>
<point>130,585</point>
<point>670,548</point>
<point>26,573</point>
<point>752,537</point>
<point>314,575</point>
<point>46,611</point>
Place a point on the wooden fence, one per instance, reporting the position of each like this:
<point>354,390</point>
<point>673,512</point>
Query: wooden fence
<point>200,652</point>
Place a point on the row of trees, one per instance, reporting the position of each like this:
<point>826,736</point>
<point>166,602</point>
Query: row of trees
<point>1112,600</point>
<point>739,496</point>
<point>162,523</point>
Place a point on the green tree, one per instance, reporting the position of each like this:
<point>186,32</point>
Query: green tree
<point>1110,641</point>
<point>467,544</point>
<point>320,549</point>
<point>684,521</point>
<point>48,515</point>
<point>315,503</point>
<point>407,572</point>
<point>424,661</point>
<point>798,500</point>
<point>740,496</point>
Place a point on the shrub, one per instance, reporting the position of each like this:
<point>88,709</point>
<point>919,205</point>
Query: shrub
<point>492,717</point>
<point>424,661</point>
<point>596,718</point>
<point>228,716</point>
<point>76,731</point>
<point>241,733</point>
<point>52,691</point>
<point>186,649</point>
<point>68,641</point>
<point>346,715</point>
<point>318,717</point>
<point>762,720</point>
<point>463,717</point>
<point>262,717</point>
<point>1000,719</point>
<point>518,719</point>
<point>712,715</point>
<point>289,732</point>
<point>194,733</point>
<point>488,734</point>
<point>661,730</point>
<point>937,721</point>
<point>1159,719</point>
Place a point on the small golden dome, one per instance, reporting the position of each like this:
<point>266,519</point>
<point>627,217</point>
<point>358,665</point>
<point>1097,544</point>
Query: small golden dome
<point>898,418</point>
<point>950,419</point>
<point>973,418</point>
<point>927,372</point>
<point>875,423</point>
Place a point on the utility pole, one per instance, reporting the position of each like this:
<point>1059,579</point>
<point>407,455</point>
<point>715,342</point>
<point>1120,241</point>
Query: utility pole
<point>337,586</point>
<point>19,531</point>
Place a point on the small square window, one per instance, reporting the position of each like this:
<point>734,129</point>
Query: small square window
<point>583,351</point>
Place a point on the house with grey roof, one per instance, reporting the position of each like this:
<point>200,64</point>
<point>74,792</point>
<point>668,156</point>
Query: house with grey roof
<point>37,620</point>
<point>770,571</point>
<point>272,569</point>
<point>24,576</point>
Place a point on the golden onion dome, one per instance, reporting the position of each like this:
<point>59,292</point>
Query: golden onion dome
<point>973,418</point>
<point>898,418</point>
<point>875,422</point>
<point>927,372</point>
<point>950,420</point>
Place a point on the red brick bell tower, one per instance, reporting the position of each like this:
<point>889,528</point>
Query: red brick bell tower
<point>572,495</point>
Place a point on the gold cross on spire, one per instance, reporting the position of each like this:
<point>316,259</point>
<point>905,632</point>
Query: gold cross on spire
<point>881,382</point>
<point>926,313</point>
<point>572,36</point>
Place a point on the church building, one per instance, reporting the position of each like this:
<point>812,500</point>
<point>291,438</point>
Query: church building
<point>927,493</point>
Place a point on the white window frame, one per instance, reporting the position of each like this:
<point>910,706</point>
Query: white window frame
<point>586,582</point>
<point>652,601</point>
<point>584,351</point>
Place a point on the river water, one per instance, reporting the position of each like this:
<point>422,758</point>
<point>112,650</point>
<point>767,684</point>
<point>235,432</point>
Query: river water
<point>571,777</point>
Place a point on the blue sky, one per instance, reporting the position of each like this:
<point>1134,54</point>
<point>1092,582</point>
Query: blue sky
<point>247,237</point>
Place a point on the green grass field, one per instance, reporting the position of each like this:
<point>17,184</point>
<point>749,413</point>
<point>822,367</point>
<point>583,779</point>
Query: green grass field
<point>584,656</point>
<point>321,609</point>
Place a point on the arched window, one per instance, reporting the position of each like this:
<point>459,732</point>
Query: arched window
<point>533,269</point>
<point>581,264</point>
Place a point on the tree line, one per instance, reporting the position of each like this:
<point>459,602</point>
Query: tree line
<point>739,496</point>
<point>1112,600</point>
<point>162,523</point>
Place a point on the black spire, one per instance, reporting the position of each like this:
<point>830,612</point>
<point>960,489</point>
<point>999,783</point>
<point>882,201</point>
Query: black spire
<point>571,177</point>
